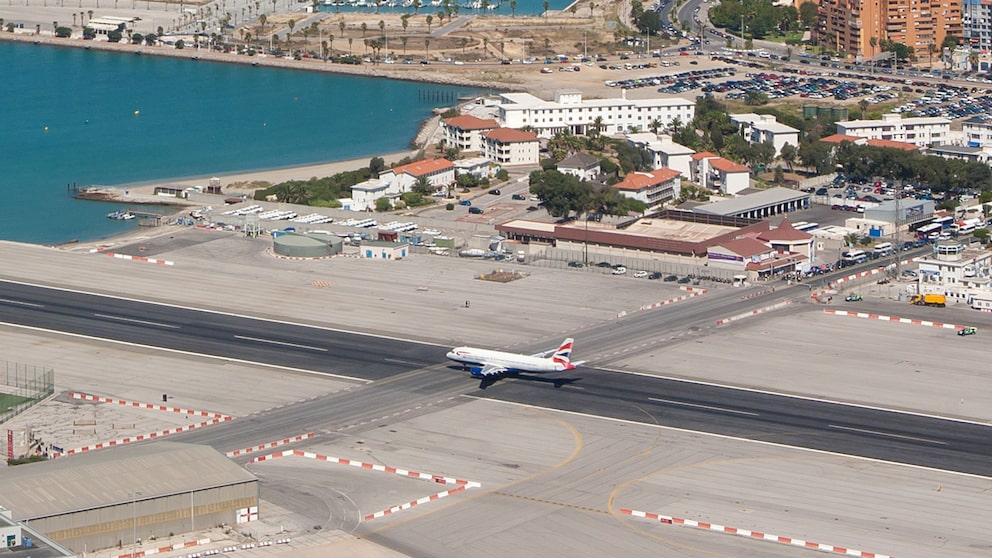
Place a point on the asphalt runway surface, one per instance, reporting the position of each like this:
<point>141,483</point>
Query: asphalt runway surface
<point>409,374</point>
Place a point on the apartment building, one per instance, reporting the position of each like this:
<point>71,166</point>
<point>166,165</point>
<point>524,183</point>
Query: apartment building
<point>976,18</point>
<point>653,188</point>
<point>848,25</point>
<point>765,128</point>
<point>570,113</point>
<point>919,131</point>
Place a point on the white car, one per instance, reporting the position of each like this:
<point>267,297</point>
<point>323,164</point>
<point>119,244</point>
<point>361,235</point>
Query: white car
<point>619,270</point>
<point>640,274</point>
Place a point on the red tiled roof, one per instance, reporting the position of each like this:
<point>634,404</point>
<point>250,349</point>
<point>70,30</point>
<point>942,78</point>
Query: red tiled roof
<point>468,122</point>
<point>838,138</point>
<point>746,246</point>
<point>892,144</point>
<point>703,155</point>
<point>509,135</point>
<point>784,232</point>
<point>427,166</point>
<point>640,180</point>
<point>724,165</point>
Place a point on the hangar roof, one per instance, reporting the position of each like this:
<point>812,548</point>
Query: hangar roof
<point>112,476</point>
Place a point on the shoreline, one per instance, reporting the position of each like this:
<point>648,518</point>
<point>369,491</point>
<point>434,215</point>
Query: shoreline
<point>385,71</point>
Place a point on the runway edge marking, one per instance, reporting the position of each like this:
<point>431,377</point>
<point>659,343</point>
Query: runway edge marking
<point>440,479</point>
<point>670,520</point>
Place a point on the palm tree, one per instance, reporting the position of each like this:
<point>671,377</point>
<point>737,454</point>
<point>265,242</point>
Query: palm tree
<point>973,58</point>
<point>365,28</point>
<point>405,21</point>
<point>463,42</point>
<point>931,48</point>
<point>427,47</point>
<point>440,18</point>
<point>863,105</point>
<point>306,36</point>
<point>73,20</point>
<point>403,40</point>
<point>350,39</point>
<point>341,26</point>
<point>55,27</point>
<point>546,6</point>
<point>592,8</point>
<point>755,97</point>
<point>382,26</point>
<point>430,21</point>
<point>485,48</point>
<point>261,19</point>
<point>513,7</point>
<point>291,24</point>
<point>416,6</point>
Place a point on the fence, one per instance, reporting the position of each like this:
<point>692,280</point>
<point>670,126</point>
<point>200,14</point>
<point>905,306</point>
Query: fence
<point>560,258</point>
<point>23,385</point>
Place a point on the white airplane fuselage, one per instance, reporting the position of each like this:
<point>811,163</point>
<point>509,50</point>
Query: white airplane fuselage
<point>512,362</point>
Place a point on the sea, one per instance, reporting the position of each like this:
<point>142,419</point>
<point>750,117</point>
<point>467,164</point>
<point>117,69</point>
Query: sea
<point>78,117</point>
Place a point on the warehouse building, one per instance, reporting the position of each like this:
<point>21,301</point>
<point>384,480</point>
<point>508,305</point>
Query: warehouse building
<point>121,496</point>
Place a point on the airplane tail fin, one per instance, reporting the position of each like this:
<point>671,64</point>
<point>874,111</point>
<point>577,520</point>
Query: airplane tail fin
<point>564,352</point>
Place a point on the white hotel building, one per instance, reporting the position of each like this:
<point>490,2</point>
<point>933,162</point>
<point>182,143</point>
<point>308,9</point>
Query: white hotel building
<point>920,131</point>
<point>569,113</point>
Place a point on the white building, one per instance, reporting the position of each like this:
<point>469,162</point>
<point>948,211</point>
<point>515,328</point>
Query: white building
<point>465,132</point>
<point>364,194</point>
<point>653,188</point>
<point>438,172</point>
<point>919,131</point>
<point>764,128</point>
<point>479,167</point>
<point>581,165</point>
<point>977,131</point>
<point>568,112</point>
<point>509,147</point>
<point>961,273</point>
<point>665,153</point>
<point>714,172</point>
<point>976,17</point>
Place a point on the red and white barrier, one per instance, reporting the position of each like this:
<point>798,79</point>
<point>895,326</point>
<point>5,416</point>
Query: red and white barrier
<point>163,549</point>
<point>893,319</point>
<point>214,419</point>
<point>275,444</point>
<point>669,520</point>
<point>408,505</point>
<point>692,294</point>
<point>775,306</point>
<point>136,258</point>
<point>462,484</point>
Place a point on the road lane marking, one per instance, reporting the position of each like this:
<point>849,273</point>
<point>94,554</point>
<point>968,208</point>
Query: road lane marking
<point>283,343</point>
<point>135,321</point>
<point>191,353</point>
<point>886,434</point>
<point>698,406</point>
<point>21,303</point>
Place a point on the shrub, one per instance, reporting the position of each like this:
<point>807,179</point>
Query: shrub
<point>450,207</point>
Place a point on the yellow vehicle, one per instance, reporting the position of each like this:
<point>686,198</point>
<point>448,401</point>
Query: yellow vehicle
<point>937,300</point>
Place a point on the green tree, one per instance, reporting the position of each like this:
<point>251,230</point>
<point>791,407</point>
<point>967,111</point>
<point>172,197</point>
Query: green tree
<point>423,186</point>
<point>66,32</point>
<point>430,21</point>
<point>808,14</point>
<point>788,154</point>
<point>376,165</point>
<point>382,205</point>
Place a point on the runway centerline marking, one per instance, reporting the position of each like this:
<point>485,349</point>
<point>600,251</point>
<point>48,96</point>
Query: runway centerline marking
<point>136,321</point>
<point>283,343</point>
<point>886,434</point>
<point>21,303</point>
<point>698,406</point>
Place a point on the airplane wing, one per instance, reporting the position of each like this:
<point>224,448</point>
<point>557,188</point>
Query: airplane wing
<point>492,370</point>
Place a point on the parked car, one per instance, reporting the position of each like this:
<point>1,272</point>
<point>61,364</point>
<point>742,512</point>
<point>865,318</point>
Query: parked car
<point>494,192</point>
<point>476,210</point>
<point>670,278</point>
<point>640,274</point>
<point>575,264</point>
<point>853,298</point>
<point>685,280</point>
<point>619,270</point>
<point>518,197</point>
<point>465,202</point>
<point>604,264</point>
<point>655,275</point>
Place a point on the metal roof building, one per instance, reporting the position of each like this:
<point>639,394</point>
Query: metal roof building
<point>112,497</point>
<point>765,203</point>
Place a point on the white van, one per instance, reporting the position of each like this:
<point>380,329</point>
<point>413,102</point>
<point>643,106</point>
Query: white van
<point>883,248</point>
<point>854,257</point>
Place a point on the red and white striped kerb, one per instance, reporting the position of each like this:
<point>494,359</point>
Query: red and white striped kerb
<point>275,444</point>
<point>669,520</point>
<point>138,258</point>
<point>893,319</point>
<point>163,549</point>
<point>417,502</point>
<point>140,405</point>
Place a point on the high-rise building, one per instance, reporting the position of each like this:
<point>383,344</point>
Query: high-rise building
<point>848,26</point>
<point>977,23</point>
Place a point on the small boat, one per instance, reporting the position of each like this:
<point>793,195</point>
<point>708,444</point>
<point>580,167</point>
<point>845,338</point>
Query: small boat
<point>127,216</point>
<point>116,214</point>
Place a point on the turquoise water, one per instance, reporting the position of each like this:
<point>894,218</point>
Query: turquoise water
<point>194,119</point>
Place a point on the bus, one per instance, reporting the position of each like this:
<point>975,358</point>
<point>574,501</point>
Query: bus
<point>928,230</point>
<point>852,257</point>
<point>883,248</point>
<point>944,222</point>
<point>806,227</point>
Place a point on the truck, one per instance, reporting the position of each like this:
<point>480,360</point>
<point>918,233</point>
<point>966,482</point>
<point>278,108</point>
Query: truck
<point>937,300</point>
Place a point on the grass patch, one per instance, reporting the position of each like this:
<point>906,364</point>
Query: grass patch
<point>9,401</point>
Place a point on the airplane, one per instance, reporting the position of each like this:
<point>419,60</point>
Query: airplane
<point>483,362</point>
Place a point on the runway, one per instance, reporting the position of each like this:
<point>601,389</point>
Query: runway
<point>408,378</point>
